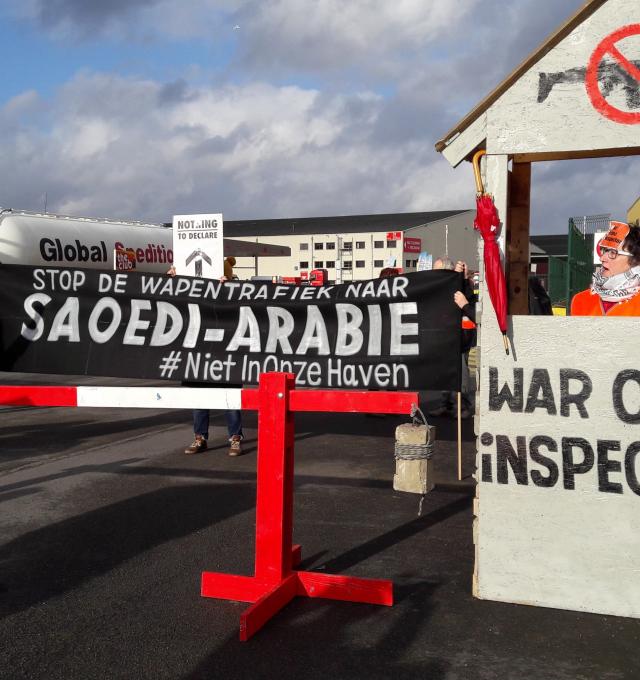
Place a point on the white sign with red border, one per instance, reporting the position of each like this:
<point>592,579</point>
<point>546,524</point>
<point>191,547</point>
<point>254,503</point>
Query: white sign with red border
<point>597,237</point>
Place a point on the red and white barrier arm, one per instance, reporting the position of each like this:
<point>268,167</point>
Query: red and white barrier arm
<point>122,397</point>
<point>221,398</point>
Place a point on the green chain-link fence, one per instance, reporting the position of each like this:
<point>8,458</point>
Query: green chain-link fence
<point>557,281</point>
<point>566,278</point>
<point>579,261</point>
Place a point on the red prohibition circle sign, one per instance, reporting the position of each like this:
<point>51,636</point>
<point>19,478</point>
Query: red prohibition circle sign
<point>608,47</point>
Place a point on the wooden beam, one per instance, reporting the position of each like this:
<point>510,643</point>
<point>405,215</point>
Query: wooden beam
<point>575,155</point>
<point>517,246</point>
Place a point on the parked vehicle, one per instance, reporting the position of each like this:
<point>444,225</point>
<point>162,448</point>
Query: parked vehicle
<point>41,239</point>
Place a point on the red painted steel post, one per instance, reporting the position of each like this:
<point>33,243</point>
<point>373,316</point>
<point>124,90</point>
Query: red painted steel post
<point>274,503</point>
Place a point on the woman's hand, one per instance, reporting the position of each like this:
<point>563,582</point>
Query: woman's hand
<point>460,299</point>
<point>461,266</point>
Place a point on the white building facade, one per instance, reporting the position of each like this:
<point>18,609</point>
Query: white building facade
<point>355,247</point>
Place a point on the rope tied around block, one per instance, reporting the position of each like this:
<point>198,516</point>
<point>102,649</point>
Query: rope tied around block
<point>415,451</point>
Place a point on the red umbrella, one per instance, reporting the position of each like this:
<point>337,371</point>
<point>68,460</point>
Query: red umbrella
<point>487,223</point>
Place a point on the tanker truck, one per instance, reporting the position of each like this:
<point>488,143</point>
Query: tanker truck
<point>41,239</point>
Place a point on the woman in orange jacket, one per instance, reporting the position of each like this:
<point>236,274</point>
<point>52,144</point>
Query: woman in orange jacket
<point>615,290</point>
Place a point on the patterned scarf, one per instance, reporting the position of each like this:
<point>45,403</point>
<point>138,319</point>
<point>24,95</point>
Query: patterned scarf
<point>619,287</point>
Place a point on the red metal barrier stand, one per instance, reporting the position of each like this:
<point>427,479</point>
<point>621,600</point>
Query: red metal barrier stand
<point>276,582</point>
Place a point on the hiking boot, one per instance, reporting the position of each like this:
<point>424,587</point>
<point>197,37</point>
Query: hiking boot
<point>444,410</point>
<point>234,445</point>
<point>199,444</point>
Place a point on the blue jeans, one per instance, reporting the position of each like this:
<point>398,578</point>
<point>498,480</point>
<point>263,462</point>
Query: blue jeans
<point>201,422</point>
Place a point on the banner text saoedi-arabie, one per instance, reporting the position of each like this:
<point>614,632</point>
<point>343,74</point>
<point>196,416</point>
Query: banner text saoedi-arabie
<point>400,332</point>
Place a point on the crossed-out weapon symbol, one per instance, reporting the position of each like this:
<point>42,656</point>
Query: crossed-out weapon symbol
<point>198,256</point>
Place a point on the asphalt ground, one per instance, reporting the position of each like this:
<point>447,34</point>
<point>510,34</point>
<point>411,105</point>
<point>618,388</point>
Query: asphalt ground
<point>106,527</point>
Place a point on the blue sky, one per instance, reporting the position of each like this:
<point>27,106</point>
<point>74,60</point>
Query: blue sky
<point>48,58</point>
<point>143,109</point>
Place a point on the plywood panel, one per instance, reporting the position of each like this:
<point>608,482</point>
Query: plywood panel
<point>582,95</point>
<point>558,504</point>
<point>496,183</point>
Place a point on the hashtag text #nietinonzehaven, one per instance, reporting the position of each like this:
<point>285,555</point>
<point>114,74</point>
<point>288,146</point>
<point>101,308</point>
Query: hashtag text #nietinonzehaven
<point>332,372</point>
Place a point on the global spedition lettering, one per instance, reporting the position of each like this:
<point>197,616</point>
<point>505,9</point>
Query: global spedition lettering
<point>55,250</point>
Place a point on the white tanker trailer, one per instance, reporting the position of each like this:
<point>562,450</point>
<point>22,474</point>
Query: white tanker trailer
<point>40,239</point>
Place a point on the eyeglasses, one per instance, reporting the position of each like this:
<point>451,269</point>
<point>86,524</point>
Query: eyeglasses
<point>613,253</point>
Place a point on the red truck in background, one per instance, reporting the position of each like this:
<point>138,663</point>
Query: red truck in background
<point>316,277</point>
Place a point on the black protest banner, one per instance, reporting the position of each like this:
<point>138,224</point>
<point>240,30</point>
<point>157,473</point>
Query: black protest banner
<point>400,332</point>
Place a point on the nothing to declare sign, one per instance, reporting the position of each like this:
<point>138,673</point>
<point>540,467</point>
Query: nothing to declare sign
<point>198,245</point>
<point>398,332</point>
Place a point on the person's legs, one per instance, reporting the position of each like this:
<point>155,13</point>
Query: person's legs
<point>234,422</point>
<point>446,404</point>
<point>466,397</point>
<point>200,430</point>
<point>234,427</point>
<point>201,422</point>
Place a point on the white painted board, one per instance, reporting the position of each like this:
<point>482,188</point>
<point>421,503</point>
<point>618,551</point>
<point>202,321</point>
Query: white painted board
<point>198,245</point>
<point>558,498</point>
<point>582,95</point>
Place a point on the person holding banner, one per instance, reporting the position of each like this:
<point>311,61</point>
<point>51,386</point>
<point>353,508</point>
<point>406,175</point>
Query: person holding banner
<point>201,416</point>
<point>615,290</point>
<point>229,264</point>
<point>466,302</point>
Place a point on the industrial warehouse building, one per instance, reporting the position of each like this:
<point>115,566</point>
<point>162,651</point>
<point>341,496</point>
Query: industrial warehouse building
<point>356,247</point>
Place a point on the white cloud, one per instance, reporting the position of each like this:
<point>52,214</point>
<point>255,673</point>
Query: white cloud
<point>22,104</point>
<point>378,84</point>
<point>362,24</point>
<point>114,147</point>
<point>335,35</point>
